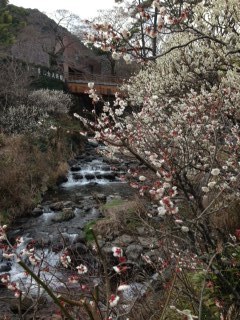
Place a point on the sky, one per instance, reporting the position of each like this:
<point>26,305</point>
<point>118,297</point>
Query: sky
<point>84,8</point>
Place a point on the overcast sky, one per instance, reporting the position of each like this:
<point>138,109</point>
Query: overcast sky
<point>83,8</point>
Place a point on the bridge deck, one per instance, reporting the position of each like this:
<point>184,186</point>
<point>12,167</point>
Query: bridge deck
<point>104,84</point>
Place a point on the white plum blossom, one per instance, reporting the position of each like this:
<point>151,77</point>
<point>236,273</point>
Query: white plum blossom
<point>76,116</point>
<point>5,278</point>
<point>113,301</point>
<point>186,313</point>
<point>8,255</point>
<point>116,55</point>
<point>215,172</point>
<point>179,221</point>
<point>211,184</point>
<point>82,269</point>
<point>205,189</point>
<point>162,11</point>
<point>123,287</point>
<point>90,85</point>
<point>184,229</point>
<point>127,58</point>
<point>126,34</point>
<point>117,252</point>
<point>65,259</point>
<point>17,293</point>
<point>73,279</point>
<point>117,269</point>
<point>156,4</point>
<point>161,211</point>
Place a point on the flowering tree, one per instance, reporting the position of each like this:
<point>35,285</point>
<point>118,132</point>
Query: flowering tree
<point>52,101</point>
<point>143,28</point>
<point>180,117</point>
<point>35,110</point>
<point>96,299</point>
<point>151,23</point>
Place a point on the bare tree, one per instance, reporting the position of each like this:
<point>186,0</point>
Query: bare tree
<point>15,79</point>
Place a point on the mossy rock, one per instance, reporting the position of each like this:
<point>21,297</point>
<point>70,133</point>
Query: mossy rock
<point>66,215</point>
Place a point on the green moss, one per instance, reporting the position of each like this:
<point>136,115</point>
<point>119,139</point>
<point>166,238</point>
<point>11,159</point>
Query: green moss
<point>88,232</point>
<point>112,203</point>
<point>4,217</point>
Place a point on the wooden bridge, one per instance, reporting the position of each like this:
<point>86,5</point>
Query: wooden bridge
<point>104,84</point>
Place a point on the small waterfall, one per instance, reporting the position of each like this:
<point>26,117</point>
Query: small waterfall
<point>92,172</point>
<point>87,177</point>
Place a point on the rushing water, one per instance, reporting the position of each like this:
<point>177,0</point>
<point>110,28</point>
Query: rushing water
<point>85,178</point>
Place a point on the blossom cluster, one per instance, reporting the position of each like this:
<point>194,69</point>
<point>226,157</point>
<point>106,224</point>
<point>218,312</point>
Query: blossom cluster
<point>121,36</point>
<point>13,286</point>
<point>120,268</point>
<point>33,113</point>
<point>190,140</point>
<point>8,253</point>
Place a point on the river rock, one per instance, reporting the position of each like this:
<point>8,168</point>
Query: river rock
<point>66,215</point>
<point>105,168</point>
<point>141,231</point>
<point>57,247</point>
<point>90,176</point>
<point>37,212</point>
<point>87,208</point>
<point>68,204</point>
<point>112,197</point>
<point>93,143</point>
<point>89,158</point>
<point>26,303</point>
<point>72,162</point>
<point>78,249</point>
<point>134,251</point>
<point>100,196</point>
<point>75,168</point>
<point>42,240</point>
<point>5,267</point>
<point>91,184</point>
<point>123,240</point>
<point>111,176</point>
<point>80,238</point>
<point>61,179</point>
<point>148,242</point>
<point>77,176</point>
<point>154,255</point>
<point>57,206</point>
<point>107,251</point>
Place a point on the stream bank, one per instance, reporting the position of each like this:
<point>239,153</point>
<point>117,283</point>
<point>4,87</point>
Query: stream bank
<point>92,194</point>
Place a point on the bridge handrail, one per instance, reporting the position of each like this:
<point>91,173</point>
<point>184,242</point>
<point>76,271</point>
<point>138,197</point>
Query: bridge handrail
<point>96,78</point>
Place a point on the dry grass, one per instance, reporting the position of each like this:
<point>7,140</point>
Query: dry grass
<point>227,220</point>
<point>28,166</point>
<point>119,215</point>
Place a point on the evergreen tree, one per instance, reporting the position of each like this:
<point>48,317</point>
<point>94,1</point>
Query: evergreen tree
<point>6,19</point>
